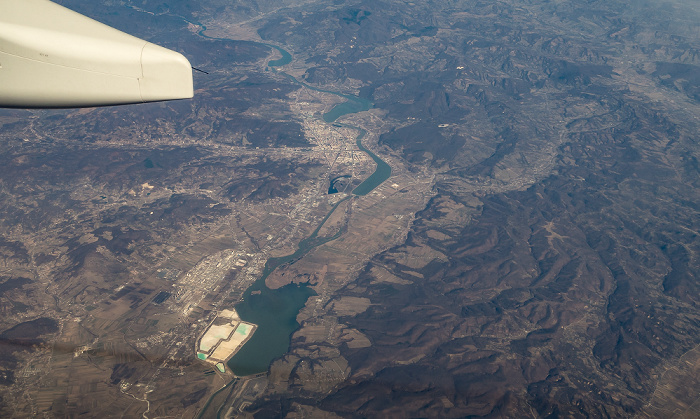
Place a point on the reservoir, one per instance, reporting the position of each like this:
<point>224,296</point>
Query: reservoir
<point>274,311</point>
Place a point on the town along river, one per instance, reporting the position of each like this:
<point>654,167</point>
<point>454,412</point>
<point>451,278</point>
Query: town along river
<point>275,311</point>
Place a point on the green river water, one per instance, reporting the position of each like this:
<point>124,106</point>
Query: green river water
<point>275,311</point>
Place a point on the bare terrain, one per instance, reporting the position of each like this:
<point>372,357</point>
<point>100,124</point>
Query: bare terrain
<point>534,253</point>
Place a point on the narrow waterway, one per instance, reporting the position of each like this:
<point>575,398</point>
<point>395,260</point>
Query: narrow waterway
<point>380,174</point>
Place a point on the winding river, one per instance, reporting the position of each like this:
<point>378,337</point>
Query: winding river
<point>353,103</point>
<point>275,311</point>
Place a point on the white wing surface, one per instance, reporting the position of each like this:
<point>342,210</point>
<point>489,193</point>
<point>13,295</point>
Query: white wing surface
<point>51,56</point>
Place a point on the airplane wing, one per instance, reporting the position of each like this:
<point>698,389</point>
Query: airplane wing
<point>51,56</point>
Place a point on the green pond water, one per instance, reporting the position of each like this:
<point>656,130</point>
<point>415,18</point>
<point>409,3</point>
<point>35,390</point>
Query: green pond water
<point>275,312</point>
